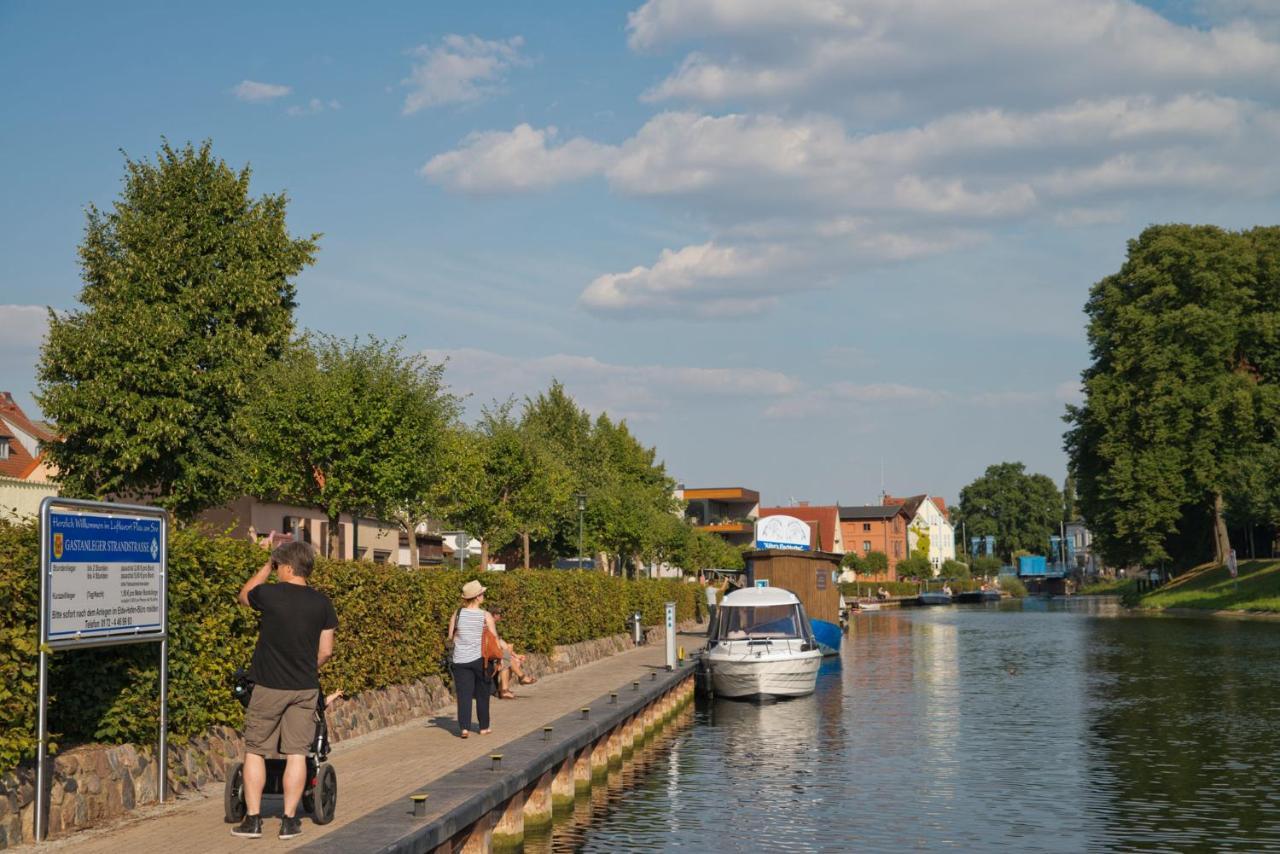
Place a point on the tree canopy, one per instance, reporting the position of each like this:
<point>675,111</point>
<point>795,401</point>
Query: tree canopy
<point>188,293</point>
<point>1179,426</point>
<point>1021,510</point>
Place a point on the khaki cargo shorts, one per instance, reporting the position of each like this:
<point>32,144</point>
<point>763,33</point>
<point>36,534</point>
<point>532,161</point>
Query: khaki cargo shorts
<point>280,722</point>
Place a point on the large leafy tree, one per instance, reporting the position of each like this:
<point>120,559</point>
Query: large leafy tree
<point>1181,404</point>
<point>1020,509</point>
<point>187,294</point>
<point>349,427</point>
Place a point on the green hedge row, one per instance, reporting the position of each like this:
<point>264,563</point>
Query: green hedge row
<point>392,627</point>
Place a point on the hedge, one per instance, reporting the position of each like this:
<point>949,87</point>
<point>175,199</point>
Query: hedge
<point>391,631</point>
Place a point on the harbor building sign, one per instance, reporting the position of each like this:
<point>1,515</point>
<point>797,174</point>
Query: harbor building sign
<point>105,576</point>
<point>782,532</point>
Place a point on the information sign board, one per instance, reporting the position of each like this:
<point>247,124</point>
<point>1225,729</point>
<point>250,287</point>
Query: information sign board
<point>782,532</point>
<point>105,576</point>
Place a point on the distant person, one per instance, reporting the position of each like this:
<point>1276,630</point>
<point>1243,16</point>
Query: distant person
<point>470,680</point>
<point>882,593</point>
<point>712,594</point>
<point>295,639</point>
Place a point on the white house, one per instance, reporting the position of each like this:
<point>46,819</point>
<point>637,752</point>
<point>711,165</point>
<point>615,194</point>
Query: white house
<point>929,514</point>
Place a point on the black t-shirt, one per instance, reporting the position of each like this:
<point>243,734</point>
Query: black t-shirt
<point>293,616</point>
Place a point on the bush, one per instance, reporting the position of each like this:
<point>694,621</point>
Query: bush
<point>851,560</point>
<point>955,569</point>
<point>915,567</point>
<point>391,631</point>
<point>860,589</point>
<point>986,565</point>
<point>1012,585</point>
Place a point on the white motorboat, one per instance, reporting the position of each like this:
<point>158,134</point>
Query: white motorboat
<point>763,646</point>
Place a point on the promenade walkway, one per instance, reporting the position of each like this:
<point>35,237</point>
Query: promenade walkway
<point>375,769</point>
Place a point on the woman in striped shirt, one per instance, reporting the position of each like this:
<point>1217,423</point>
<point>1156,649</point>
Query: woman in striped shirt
<point>466,629</point>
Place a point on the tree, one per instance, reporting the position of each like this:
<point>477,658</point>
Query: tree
<point>1021,510</point>
<point>1069,513</point>
<point>915,567</point>
<point>955,569</point>
<point>450,474</point>
<point>1181,397</point>
<point>348,427</point>
<point>703,550</point>
<point>187,294</point>
<point>875,563</point>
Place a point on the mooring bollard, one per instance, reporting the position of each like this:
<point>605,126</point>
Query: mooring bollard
<point>419,804</point>
<point>613,696</point>
<point>497,760</point>
<point>635,686</point>
<point>586,712</point>
<point>653,677</point>
<point>546,733</point>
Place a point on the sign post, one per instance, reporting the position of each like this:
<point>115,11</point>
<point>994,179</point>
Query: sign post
<point>103,582</point>
<point>671,635</point>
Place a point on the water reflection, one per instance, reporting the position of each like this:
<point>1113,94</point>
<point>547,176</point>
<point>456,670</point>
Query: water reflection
<point>1054,726</point>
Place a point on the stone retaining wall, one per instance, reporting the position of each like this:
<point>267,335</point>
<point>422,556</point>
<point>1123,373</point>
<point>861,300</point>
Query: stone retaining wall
<point>94,783</point>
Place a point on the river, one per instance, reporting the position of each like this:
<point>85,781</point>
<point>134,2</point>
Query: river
<point>1036,726</point>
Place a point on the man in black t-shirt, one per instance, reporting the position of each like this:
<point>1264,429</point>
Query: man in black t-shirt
<point>295,637</point>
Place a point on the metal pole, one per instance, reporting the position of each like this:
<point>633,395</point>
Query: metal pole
<point>671,635</point>
<point>42,690</point>
<point>579,538</point>
<point>462,550</point>
<point>162,749</point>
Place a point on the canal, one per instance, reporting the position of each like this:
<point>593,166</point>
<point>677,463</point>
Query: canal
<point>1044,726</point>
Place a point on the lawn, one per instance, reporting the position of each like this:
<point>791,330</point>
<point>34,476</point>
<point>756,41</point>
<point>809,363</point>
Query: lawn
<point>1211,588</point>
<point>1106,587</point>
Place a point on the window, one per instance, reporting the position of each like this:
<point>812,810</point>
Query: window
<point>4,449</point>
<point>866,546</point>
<point>866,526</point>
<point>380,556</point>
<point>764,621</point>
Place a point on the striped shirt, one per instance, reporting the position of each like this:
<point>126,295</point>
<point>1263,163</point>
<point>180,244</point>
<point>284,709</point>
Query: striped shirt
<point>467,634</point>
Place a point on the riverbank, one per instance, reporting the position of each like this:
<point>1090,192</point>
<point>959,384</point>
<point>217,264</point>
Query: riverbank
<point>1210,588</point>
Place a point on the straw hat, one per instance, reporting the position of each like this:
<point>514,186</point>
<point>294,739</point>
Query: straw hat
<point>472,589</point>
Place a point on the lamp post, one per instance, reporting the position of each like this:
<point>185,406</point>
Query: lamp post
<point>581,498</point>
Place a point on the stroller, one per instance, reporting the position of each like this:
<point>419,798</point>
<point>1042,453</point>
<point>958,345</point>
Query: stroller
<point>320,791</point>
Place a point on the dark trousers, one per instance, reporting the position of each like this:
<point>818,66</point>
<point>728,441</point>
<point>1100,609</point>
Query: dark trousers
<point>711,620</point>
<point>470,682</point>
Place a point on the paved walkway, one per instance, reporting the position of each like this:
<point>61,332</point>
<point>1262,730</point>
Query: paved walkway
<point>375,769</point>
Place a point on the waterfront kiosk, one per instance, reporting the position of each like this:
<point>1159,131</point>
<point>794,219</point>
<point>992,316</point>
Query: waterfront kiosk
<point>784,557</point>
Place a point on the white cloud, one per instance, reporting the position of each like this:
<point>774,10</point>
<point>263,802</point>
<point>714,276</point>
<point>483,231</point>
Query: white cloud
<point>524,158</point>
<point>940,51</point>
<point>459,70</point>
<point>315,105</point>
<point>255,92</point>
<point>22,328</point>
<point>630,391</point>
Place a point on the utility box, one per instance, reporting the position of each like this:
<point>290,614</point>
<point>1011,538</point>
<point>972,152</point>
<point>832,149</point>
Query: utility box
<point>1032,565</point>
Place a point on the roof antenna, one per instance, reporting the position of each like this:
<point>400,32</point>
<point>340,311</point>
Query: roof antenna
<point>882,492</point>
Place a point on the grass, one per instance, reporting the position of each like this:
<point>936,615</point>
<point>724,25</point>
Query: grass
<point>1106,587</point>
<point>1211,588</point>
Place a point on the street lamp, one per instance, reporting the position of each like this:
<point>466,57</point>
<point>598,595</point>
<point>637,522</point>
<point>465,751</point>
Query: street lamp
<point>581,498</point>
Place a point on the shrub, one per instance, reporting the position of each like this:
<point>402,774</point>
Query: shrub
<point>986,565</point>
<point>391,631</point>
<point>915,567</point>
<point>875,563</point>
<point>858,589</point>
<point>1012,585</point>
<point>851,560</point>
<point>955,569</point>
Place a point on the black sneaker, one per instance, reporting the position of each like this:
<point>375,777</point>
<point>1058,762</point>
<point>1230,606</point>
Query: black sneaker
<point>290,826</point>
<point>250,828</point>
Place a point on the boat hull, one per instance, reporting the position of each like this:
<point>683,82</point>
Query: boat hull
<point>933,599</point>
<point>741,675</point>
<point>828,636</point>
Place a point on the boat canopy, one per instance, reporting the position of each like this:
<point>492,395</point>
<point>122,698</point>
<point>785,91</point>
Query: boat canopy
<point>760,613</point>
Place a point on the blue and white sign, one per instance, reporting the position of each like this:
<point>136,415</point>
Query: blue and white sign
<point>782,532</point>
<point>104,574</point>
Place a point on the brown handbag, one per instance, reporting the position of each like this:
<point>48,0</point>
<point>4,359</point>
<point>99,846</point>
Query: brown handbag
<point>490,649</point>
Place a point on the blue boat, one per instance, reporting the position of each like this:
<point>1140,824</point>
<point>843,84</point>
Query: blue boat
<point>828,636</point>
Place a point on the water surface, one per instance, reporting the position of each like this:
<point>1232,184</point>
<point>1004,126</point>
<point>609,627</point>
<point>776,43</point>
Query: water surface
<point>1044,726</point>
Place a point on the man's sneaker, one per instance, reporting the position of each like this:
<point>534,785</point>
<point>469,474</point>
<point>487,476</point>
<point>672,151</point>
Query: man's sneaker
<point>290,826</point>
<point>250,828</point>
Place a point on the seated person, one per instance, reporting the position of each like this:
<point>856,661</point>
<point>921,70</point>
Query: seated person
<point>882,593</point>
<point>512,664</point>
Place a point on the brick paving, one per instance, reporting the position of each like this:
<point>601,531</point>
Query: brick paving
<point>373,769</point>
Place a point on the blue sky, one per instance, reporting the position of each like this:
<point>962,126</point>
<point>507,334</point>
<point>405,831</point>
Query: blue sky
<point>789,242</point>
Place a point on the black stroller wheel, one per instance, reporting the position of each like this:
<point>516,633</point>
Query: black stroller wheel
<point>233,794</point>
<point>325,795</point>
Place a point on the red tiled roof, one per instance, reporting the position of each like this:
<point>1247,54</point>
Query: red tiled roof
<point>20,463</point>
<point>942,505</point>
<point>822,522</point>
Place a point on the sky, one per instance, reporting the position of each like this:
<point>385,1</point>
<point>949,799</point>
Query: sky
<point>795,244</point>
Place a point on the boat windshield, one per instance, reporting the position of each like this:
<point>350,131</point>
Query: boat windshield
<point>764,621</point>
